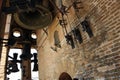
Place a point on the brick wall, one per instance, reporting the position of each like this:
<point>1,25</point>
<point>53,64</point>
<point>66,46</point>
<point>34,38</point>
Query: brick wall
<point>95,58</point>
<point>2,22</point>
<point>3,63</point>
<point>2,49</point>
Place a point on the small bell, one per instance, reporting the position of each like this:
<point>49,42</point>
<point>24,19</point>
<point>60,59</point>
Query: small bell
<point>86,27</point>
<point>70,41</point>
<point>35,68</point>
<point>14,68</point>
<point>77,35</point>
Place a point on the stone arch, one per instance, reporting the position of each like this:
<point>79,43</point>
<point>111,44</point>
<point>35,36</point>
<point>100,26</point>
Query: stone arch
<point>65,76</point>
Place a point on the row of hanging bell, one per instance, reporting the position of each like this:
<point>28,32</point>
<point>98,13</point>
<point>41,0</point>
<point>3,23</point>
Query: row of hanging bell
<point>76,33</point>
<point>85,24</point>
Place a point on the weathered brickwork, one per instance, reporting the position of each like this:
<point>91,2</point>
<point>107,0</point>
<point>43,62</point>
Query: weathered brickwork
<point>95,58</point>
<point>2,56</point>
<point>3,63</point>
<point>2,24</point>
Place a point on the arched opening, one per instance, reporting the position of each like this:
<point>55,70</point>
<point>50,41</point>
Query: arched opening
<point>65,76</point>
<point>56,39</point>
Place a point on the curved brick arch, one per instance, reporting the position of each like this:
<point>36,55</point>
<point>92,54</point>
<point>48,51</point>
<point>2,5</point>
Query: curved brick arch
<point>65,76</point>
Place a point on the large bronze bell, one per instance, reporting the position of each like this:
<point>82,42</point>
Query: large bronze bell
<point>35,19</point>
<point>31,14</point>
